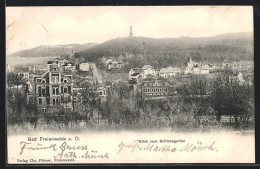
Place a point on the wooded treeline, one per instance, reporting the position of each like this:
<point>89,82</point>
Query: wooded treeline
<point>159,53</point>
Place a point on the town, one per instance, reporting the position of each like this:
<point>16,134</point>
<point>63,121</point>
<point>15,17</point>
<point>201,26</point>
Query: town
<point>72,89</point>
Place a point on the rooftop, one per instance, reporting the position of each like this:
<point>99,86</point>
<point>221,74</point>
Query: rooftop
<point>147,67</point>
<point>135,74</point>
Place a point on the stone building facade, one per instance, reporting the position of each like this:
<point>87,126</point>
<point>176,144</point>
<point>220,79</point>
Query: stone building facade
<point>155,88</point>
<point>54,87</point>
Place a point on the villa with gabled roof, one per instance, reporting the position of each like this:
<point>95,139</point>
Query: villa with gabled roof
<point>54,87</point>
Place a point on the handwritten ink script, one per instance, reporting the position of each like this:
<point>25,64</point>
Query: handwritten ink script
<point>170,146</point>
<point>129,147</point>
<point>73,149</point>
<point>63,151</point>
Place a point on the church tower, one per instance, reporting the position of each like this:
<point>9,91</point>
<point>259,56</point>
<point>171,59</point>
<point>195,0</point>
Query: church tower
<point>131,33</point>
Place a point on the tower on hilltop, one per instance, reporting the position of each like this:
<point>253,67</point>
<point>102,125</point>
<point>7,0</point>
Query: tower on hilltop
<point>131,33</point>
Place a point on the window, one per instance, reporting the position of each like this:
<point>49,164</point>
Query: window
<point>65,90</point>
<point>40,91</point>
<point>53,101</point>
<point>47,90</point>
<point>30,99</point>
<point>55,79</point>
<point>61,90</point>
<point>40,101</point>
<point>57,101</point>
<point>69,89</point>
<point>69,99</point>
<point>43,92</point>
<point>48,100</point>
<point>65,81</point>
<point>55,90</point>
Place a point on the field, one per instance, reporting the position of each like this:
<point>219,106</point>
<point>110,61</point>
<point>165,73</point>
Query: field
<point>113,76</point>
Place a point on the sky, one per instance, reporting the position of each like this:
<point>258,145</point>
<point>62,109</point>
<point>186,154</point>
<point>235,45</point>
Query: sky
<point>28,27</point>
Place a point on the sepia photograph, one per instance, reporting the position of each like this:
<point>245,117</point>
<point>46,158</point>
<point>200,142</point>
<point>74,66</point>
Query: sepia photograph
<point>130,84</point>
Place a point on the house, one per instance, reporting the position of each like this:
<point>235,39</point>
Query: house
<point>145,71</point>
<point>212,67</point>
<point>69,66</point>
<point>155,89</point>
<point>113,64</point>
<point>51,62</point>
<point>102,93</point>
<point>226,64</point>
<point>25,75</point>
<point>136,77</point>
<point>29,86</point>
<point>196,68</point>
<point>53,87</point>
<point>62,62</point>
<point>148,70</point>
<point>239,78</point>
<point>84,67</point>
<point>168,72</point>
<point>136,70</point>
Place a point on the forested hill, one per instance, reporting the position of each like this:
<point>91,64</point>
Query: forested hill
<point>52,50</point>
<point>175,51</point>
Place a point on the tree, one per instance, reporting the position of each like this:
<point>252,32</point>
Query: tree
<point>231,97</point>
<point>32,112</point>
<point>89,97</point>
<point>195,93</point>
<point>16,97</point>
<point>122,89</point>
<point>15,80</point>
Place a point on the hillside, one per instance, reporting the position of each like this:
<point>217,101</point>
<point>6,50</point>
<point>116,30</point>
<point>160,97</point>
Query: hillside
<point>54,50</point>
<point>174,51</point>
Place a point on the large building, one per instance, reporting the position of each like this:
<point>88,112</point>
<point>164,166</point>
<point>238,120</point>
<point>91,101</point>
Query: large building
<point>148,70</point>
<point>169,71</point>
<point>113,64</point>
<point>134,72</point>
<point>54,87</point>
<point>155,88</point>
<point>145,71</point>
<point>196,68</point>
